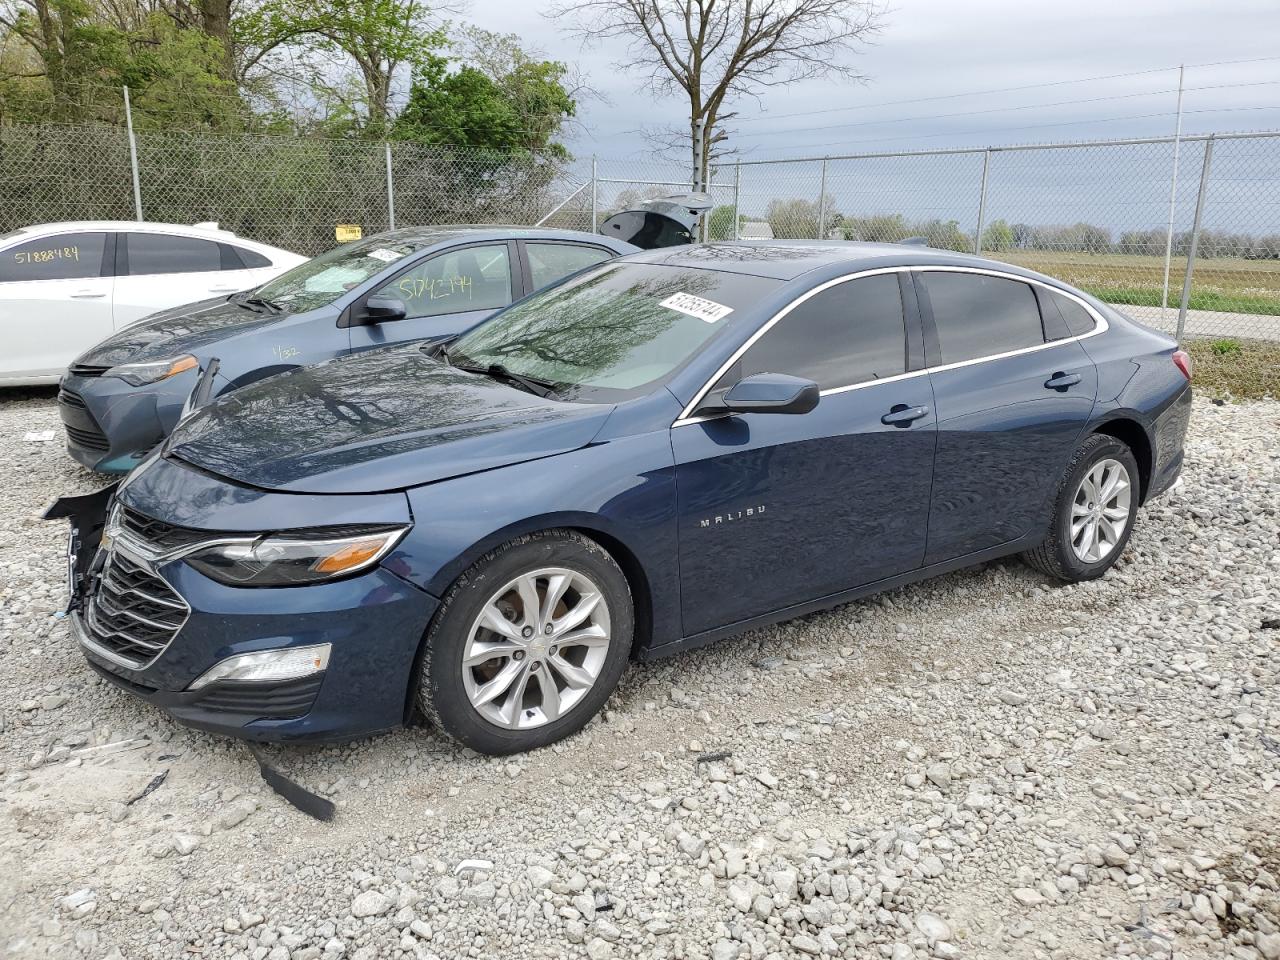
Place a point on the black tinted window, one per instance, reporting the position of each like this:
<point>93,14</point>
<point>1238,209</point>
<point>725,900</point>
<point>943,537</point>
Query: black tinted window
<point>249,258</point>
<point>67,256</point>
<point>848,334</point>
<point>151,253</point>
<point>1078,319</point>
<point>978,316</point>
<point>548,262</point>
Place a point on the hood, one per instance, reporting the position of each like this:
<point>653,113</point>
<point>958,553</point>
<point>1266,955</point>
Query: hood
<point>184,329</point>
<point>376,421</point>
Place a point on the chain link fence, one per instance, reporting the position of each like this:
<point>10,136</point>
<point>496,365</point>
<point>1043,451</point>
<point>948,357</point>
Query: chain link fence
<point>1105,216</point>
<point>1110,217</point>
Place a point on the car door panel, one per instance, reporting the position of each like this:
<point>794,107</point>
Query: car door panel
<point>1007,426</point>
<point>776,509</point>
<point>55,301</point>
<point>159,271</point>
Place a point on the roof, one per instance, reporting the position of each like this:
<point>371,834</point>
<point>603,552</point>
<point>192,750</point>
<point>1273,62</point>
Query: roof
<point>125,225</point>
<point>789,259</point>
<point>439,233</point>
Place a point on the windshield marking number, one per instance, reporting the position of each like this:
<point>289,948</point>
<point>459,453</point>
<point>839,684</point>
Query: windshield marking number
<point>706,310</point>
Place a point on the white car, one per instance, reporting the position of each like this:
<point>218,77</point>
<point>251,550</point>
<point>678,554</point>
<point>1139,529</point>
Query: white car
<point>66,286</point>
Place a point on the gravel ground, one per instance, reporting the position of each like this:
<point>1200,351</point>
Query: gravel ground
<point>985,765</point>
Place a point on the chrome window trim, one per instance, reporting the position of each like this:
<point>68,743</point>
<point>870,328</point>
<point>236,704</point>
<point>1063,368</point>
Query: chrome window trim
<point>687,415</point>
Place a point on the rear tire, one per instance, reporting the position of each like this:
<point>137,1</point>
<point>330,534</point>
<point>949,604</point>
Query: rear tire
<point>1093,512</point>
<point>503,674</point>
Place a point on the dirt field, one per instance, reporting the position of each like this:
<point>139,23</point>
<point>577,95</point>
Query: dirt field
<point>1231,286</point>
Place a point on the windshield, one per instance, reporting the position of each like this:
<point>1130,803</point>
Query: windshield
<point>319,282</point>
<point>614,331</point>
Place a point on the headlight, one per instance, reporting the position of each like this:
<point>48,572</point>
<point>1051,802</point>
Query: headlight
<point>141,374</point>
<point>291,559</point>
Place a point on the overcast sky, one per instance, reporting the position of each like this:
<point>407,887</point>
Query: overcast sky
<point>929,48</point>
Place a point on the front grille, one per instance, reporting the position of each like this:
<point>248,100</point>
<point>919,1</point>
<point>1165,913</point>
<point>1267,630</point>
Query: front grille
<point>82,429</point>
<point>134,613</point>
<point>89,439</point>
<point>157,534</point>
<point>86,370</point>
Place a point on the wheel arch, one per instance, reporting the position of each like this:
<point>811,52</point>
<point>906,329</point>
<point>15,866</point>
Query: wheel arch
<point>1133,435</point>
<point>588,525</point>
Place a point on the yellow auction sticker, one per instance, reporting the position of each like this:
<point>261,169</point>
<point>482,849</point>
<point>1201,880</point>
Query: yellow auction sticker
<point>346,232</point>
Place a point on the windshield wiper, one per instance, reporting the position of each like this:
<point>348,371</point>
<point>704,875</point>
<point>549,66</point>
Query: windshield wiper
<point>263,302</point>
<point>535,385</point>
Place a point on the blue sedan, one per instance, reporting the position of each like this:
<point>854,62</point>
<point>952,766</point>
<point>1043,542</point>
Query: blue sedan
<point>123,396</point>
<point>658,452</point>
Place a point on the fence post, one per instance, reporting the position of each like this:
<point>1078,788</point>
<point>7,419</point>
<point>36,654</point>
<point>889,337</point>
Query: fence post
<point>1195,236</point>
<point>737,193</point>
<point>391,190</point>
<point>982,202</point>
<point>1173,201</point>
<point>133,157</point>
<point>594,195</point>
<point>822,203</point>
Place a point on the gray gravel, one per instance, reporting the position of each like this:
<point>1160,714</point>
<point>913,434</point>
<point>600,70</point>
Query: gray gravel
<point>986,765</point>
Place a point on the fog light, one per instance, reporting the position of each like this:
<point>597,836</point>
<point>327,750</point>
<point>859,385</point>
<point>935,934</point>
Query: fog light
<point>268,665</point>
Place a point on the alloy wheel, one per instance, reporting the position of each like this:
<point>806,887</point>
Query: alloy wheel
<point>536,648</point>
<point>1100,510</point>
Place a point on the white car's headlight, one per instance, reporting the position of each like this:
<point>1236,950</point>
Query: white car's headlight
<point>141,374</point>
<point>293,559</point>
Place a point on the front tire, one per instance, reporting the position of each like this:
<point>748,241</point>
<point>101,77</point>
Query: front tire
<point>1093,512</point>
<point>527,644</point>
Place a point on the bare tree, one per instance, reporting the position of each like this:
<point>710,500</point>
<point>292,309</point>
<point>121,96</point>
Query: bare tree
<point>715,51</point>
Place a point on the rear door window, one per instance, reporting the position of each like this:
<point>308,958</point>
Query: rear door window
<point>979,316</point>
<point>249,259</point>
<point>67,256</point>
<point>158,253</point>
<point>549,262</point>
<point>848,334</point>
<point>472,278</point>
<point>1078,319</point>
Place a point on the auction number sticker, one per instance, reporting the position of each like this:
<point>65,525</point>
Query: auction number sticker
<point>705,310</point>
<point>385,255</point>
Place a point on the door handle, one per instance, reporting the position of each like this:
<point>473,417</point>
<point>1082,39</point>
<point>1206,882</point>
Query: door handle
<point>903,416</point>
<point>1060,381</point>
<point>87,295</point>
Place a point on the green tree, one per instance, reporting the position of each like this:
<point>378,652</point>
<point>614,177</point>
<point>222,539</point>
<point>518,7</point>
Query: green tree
<point>997,236</point>
<point>720,223</point>
<point>517,106</point>
<point>380,37</point>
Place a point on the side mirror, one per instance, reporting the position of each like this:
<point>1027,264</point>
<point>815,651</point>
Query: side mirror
<point>772,393</point>
<point>383,310</point>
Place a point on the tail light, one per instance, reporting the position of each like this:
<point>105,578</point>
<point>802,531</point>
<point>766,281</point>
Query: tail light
<point>1182,360</point>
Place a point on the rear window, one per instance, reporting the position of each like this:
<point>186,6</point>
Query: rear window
<point>979,316</point>
<point>548,262</point>
<point>614,331</point>
<point>249,259</point>
<point>1078,319</point>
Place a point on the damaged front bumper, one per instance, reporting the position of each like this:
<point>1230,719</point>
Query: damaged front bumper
<point>353,694</point>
